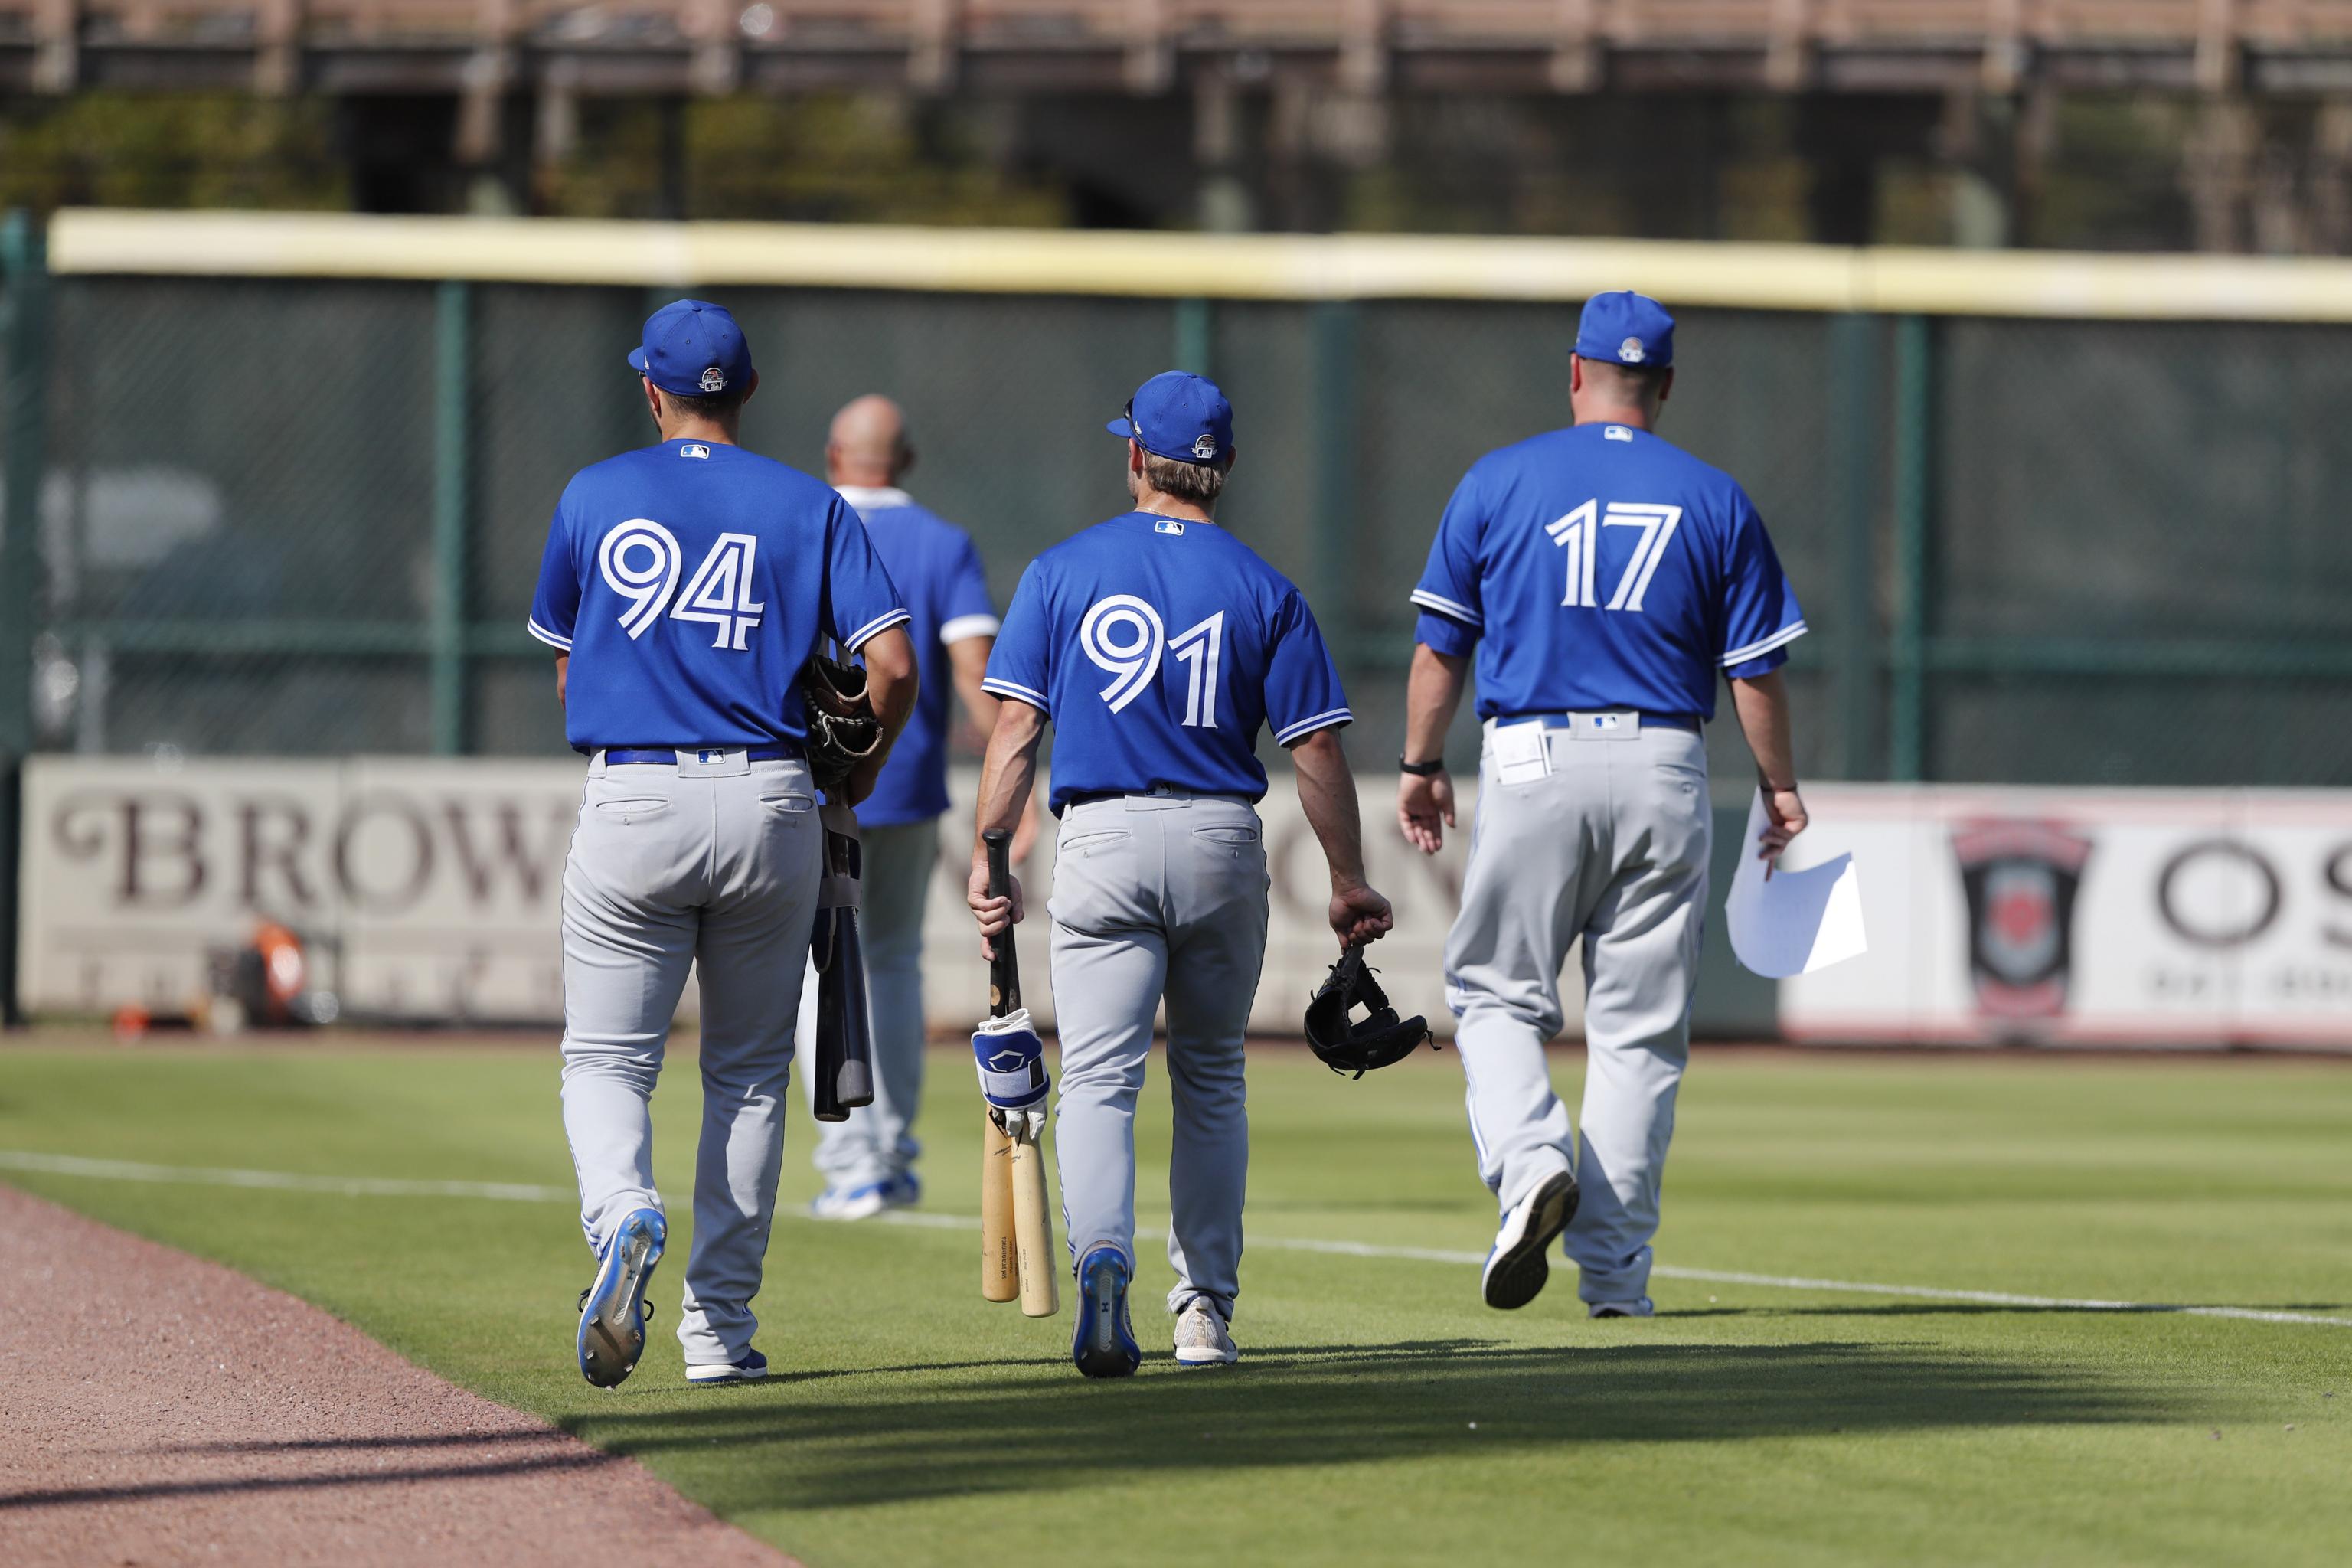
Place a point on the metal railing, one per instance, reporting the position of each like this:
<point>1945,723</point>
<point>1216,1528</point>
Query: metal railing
<point>1568,44</point>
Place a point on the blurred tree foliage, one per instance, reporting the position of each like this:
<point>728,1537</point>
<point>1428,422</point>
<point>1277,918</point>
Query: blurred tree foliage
<point>195,149</point>
<point>821,158</point>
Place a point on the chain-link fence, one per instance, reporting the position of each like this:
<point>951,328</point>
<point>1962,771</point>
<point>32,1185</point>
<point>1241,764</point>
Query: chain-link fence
<point>304,517</point>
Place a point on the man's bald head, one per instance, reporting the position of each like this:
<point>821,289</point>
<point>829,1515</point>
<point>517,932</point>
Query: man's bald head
<point>867,444</point>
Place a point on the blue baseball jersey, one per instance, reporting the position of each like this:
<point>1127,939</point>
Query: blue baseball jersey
<point>1159,648</point>
<point>689,583</point>
<point>938,574</point>
<point>1601,567</point>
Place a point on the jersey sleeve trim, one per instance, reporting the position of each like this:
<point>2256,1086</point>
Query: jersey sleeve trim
<point>1756,649</point>
<point>1448,607</point>
<point>1331,720</point>
<point>964,628</point>
<point>549,637</point>
<point>874,628</point>
<point>999,686</point>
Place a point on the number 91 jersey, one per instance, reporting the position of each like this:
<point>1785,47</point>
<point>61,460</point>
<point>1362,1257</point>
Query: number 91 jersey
<point>1158,647</point>
<point>689,583</point>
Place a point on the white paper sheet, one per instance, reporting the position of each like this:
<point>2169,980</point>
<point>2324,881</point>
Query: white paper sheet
<point>1792,923</point>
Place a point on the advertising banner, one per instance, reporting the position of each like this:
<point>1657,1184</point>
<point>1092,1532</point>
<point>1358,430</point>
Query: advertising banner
<point>430,890</point>
<point>2105,917</point>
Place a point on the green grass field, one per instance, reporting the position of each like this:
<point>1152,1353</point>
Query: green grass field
<point>1380,1414</point>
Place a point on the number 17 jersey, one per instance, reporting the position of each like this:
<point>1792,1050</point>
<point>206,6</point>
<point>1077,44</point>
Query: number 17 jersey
<point>1158,647</point>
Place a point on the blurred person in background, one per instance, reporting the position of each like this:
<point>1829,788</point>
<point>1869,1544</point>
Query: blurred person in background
<point>869,1161</point>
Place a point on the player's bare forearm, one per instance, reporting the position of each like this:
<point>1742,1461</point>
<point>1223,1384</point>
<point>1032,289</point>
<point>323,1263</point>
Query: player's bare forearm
<point>562,676</point>
<point>890,686</point>
<point>1327,792</point>
<point>967,666</point>
<point>1762,704</point>
<point>1005,778</point>
<point>890,680</point>
<point>1432,694</point>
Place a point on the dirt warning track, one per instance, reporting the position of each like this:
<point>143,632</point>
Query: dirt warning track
<point>164,1410</point>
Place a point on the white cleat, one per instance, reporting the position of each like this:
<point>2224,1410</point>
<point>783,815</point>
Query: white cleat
<point>1638,1307</point>
<point>1201,1338</point>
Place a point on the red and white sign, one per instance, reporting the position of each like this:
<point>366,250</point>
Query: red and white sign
<point>2109,917</point>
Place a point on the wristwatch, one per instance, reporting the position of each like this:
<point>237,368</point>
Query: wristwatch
<point>1421,770</point>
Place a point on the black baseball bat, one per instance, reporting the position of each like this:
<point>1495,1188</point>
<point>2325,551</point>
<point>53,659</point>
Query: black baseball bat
<point>1005,968</point>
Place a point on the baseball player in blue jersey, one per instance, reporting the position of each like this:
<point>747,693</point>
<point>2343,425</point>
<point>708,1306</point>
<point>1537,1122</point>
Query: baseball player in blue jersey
<point>1604,577</point>
<point>685,586</point>
<point>869,1161</point>
<point>1158,645</point>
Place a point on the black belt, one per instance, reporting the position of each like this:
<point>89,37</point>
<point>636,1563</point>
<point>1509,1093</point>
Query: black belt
<point>624,756</point>
<point>1690,721</point>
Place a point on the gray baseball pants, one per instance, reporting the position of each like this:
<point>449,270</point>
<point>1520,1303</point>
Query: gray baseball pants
<point>1157,896</point>
<point>1612,846</point>
<point>713,864</point>
<point>877,1144</point>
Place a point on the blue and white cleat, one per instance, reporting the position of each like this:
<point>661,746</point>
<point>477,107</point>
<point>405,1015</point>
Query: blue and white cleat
<point>1638,1307</point>
<point>612,1310</point>
<point>1103,1345</point>
<point>750,1369</point>
<point>1516,1267</point>
<point>903,1191</point>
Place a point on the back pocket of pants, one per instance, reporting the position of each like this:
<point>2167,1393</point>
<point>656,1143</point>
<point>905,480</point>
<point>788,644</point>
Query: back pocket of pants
<point>1227,833</point>
<point>1085,844</point>
<point>789,805</point>
<point>626,811</point>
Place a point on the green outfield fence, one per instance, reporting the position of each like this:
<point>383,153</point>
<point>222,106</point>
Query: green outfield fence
<point>279,485</point>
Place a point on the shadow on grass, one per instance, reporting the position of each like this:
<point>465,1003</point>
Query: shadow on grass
<point>2011,1310</point>
<point>1011,1428</point>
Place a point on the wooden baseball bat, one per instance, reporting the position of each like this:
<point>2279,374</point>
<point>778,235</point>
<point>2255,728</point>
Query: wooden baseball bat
<point>999,1260</point>
<point>1032,1232</point>
<point>1032,1225</point>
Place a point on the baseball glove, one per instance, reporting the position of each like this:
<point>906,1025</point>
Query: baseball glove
<point>842,729</point>
<point>1380,1040</point>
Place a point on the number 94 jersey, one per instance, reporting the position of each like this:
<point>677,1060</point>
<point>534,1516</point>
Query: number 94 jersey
<point>689,583</point>
<point>1158,647</point>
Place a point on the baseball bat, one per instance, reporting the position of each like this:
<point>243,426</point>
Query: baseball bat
<point>999,1260</point>
<point>1032,1225</point>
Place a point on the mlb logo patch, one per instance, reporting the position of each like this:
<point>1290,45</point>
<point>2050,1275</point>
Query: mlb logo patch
<point>1617,433</point>
<point>1168,525</point>
<point>694,449</point>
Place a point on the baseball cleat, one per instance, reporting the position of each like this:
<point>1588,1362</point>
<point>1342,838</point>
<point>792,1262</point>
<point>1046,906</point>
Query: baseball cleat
<point>750,1369</point>
<point>1638,1307</point>
<point>903,1191</point>
<point>1201,1338</point>
<point>1516,1267</point>
<point>612,1310</point>
<point>851,1202</point>
<point>1103,1344</point>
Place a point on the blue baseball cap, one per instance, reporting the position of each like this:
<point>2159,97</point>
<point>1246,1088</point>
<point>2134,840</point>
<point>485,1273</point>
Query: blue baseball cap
<point>1178,415</point>
<point>693,348</point>
<point>1626,328</point>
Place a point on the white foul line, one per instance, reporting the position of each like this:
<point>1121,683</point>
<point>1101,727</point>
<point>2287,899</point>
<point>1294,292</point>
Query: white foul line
<point>279,1181</point>
<point>520,1192</point>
